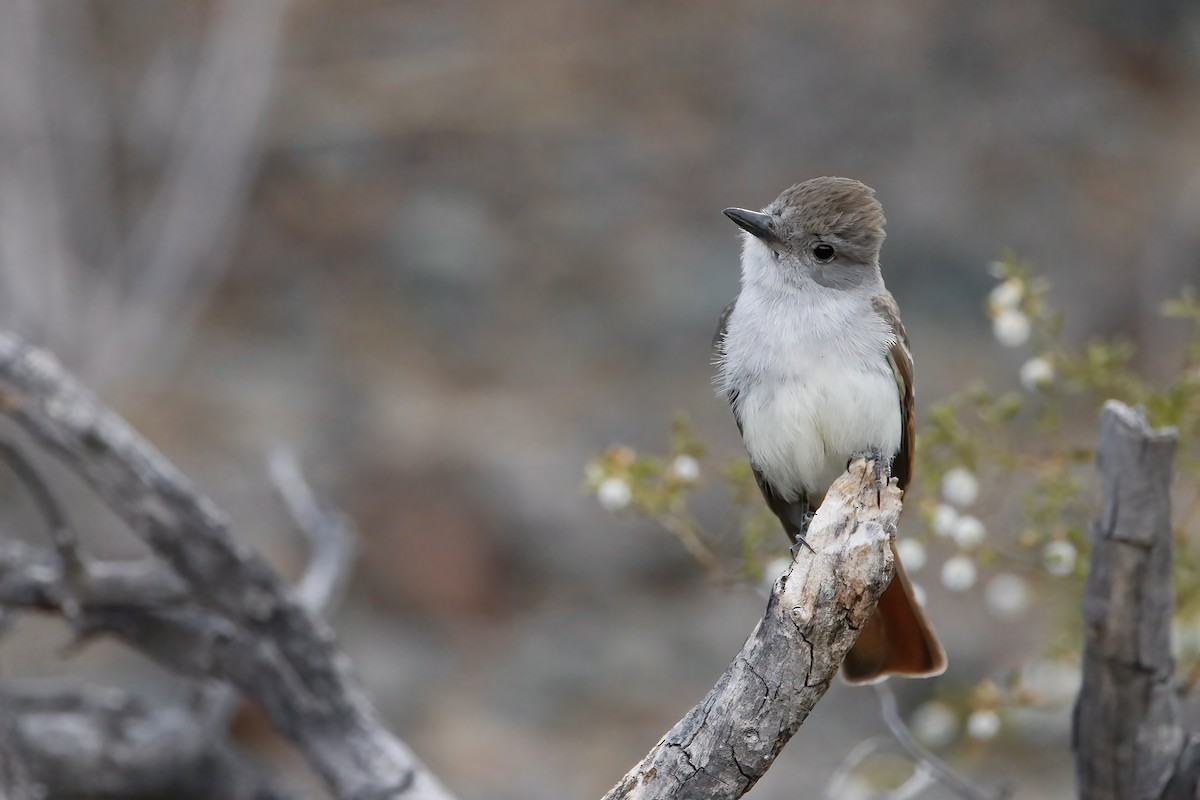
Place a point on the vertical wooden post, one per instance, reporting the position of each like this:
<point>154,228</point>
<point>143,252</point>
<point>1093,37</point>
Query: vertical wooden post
<point>1128,738</point>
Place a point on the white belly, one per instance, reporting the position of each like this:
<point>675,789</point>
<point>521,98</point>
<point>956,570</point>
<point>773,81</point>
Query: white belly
<point>801,431</point>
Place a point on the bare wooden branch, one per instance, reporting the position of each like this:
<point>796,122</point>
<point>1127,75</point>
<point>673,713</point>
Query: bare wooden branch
<point>32,579</point>
<point>727,742</point>
<point>70,561</point>
<point>329,534</point>
<point>1128,736</point>
<point>54,737</point>
<point>241,623</point>
<point>69,740</point>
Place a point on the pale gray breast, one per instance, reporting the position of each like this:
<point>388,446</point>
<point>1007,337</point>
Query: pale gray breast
<point>812,385</point>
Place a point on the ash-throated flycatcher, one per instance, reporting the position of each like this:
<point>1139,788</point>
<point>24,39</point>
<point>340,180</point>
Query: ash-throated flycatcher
<point>816,365</point>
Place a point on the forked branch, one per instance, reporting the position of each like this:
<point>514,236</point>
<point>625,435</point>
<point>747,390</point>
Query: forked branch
<point>207,606</point>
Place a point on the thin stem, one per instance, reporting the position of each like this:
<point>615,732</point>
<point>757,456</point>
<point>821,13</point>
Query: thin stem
<point>938,768</point>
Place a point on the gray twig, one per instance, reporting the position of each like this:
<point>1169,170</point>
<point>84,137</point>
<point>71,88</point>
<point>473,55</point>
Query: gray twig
<point>60,739</point>
<point>924,759</point>
<point>332,540</point>
<point>31,579</point>
<point>329,534</point>
<point>63,536</point>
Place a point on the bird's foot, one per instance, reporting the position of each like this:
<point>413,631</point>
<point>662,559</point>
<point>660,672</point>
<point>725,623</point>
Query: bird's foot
<point>800,541</point>
<point>883,468</point>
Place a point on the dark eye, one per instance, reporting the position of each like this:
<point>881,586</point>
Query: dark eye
<point>823,252</point>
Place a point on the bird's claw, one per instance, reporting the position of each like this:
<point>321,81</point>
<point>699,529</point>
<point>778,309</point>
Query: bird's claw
<point>882,470</point>
<point>796,545</point>
<point>800,540</point>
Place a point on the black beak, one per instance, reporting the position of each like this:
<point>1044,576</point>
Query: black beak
<point>754,223</point>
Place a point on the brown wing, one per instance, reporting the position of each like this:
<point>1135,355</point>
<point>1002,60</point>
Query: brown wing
<point>901,361</point>
<point>897,639</point>
<point>790,512</point>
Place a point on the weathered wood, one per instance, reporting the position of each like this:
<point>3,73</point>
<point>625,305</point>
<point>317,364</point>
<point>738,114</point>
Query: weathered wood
<point>1128,737</point>
<point>225,615</point>
<point>727,742</point>
<point>60,740</point>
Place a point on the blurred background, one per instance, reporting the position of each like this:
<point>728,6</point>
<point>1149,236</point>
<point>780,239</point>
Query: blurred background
<point>449,250</point>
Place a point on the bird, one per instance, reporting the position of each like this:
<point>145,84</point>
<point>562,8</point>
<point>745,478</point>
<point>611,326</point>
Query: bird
<point>816,365</point>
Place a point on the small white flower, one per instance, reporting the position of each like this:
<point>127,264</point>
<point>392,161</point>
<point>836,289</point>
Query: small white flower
<point>935,724</point>
<point>613,494</point>
<point>1007,595</point>
<point>983,724</point>
<point>918,593</point>
<point>960,487</point>
<point>944,520</point>
<point>958,573</point>
<point>1006,296</point>
<point>912,553</point>
<point>1011,328</point>
<point>969,532</point>
<point>1059,557</point>
<point>686,469</point>
<point>1037,373</point>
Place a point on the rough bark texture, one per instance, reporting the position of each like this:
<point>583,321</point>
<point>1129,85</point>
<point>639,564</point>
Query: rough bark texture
<point>1128,738</point>
<point>78,741</point>
<point>727,742</point>
<point>207,606</point>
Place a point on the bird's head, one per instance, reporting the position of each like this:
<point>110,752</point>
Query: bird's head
<point>826,231</point>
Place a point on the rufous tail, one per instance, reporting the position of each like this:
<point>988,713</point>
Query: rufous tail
<point>897,639</point>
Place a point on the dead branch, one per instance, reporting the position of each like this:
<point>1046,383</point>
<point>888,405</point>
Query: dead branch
<point>211,608</point>
<point>727,742</point>
<point>1128,736</point>
<point>69,740</point>
<point>328,533</point>
<point>66,740</point>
